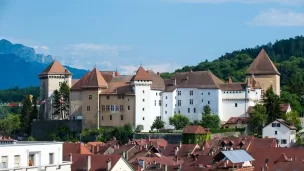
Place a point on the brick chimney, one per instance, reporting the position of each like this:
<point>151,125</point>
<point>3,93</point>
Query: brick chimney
<point>88,163</point>
<point>108,165</point>
<point>71,158</point>
<point>180,144</point>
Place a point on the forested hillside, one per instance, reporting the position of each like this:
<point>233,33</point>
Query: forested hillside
<point>288,56</point>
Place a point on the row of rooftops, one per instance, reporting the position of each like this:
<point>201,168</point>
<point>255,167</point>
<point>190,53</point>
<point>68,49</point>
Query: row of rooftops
<point>122,84</point>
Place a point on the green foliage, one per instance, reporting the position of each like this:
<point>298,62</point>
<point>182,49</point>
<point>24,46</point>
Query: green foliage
<point>293,118</point>
<point>10,124</point>
<point>56,103</point>
<point>196,138</point>
<point>258,119</point>
<point>26,115</point>
<point>65,94</point>
<point>62,133</point>
<point>211,121</point>
<point>158,124</point>
<point>223,130</point>
<point>34,114</point>
<point>3,112</point>
<point>30,138</point>
<point>272,104</point>
<point>207,110</point>
<point>196,122</point>
<point>292,99</point>
<point>179,121</point>
<point>139,128</point>
<point>16,94</point>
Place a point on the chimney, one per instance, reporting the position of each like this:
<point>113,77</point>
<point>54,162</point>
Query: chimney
<point>146,146</point>
<point>71,159</point>
<point>113,74</point>
<point>88,163</point>
<point>175,151</point>
<point>180,144</point>
<point>108,165</point>
<point>165,167</point>
<point>124,155</point>
<point>174,81</point>
<point>230,80</point>
<point>158,73</point>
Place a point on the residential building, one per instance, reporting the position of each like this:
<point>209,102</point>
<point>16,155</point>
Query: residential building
<point>35,156</point>
<point>105,98</point>
<point>236,122</point>
<point>282,131</point>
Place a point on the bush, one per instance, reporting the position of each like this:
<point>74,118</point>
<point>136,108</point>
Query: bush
<point>221,130</point>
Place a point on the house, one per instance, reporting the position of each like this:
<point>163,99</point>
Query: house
<point>282,131</point>
<point>18,155</point>
<point>236,122</point>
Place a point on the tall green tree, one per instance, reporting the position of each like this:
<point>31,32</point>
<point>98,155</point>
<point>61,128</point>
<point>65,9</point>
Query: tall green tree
<point>257,119</point>
<point>293,99</point>
<point>293,118</point>
<point>272,104</point>
<point>10,124</point>
<point>34,113</point>
<point>158,124</point>
<point>206,109</point>
<point>65,94</point>
<point>211,121</point>
<point>26,115</point>
<point>56,104</point>
<point>179,121</point>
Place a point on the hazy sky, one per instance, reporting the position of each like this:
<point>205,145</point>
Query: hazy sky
<point>159,34</point>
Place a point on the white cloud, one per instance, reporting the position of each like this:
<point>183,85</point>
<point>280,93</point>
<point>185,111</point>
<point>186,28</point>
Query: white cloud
<point>285,2</point>
<point>42,49</point>
<point>274,17</point>
<point>165,67</point>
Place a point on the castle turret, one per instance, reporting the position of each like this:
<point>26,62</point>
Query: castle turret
<point>265,72</point>
<point>50,80</point>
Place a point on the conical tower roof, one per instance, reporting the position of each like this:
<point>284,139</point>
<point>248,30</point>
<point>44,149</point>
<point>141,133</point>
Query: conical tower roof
<point>262,65</point>
<point>94,80</point>
<point>55,68</point>
<point>141,75</point>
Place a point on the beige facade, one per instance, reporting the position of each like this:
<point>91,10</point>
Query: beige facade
<point>90,107</point>
<point>117,110</point>
<point>75,104</point>
<point>268,80</point>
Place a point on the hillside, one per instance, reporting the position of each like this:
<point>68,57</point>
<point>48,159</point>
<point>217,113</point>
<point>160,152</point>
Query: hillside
<point>20,66</point>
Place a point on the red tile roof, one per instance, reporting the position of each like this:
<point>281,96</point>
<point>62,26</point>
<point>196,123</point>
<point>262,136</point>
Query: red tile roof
<point>95,80</point>
<point>141,75</point>
<point>74,148</point>
<point>262,65</point>
<point>55,68</point>
<point>194,129</point>
<point>235,120</point>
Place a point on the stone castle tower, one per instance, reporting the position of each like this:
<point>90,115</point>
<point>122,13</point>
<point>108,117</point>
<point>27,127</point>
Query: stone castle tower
<point>265,72</point>
<point>50,80</point>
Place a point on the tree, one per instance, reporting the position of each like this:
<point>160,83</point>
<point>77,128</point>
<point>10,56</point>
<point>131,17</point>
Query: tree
<point>293,99</point>
<point>158,124</point>
<point>139,128</point>
<point>211,121</point>
<point>257,119</point>
<point>56,103</point>
<point>65,94</point>
<point>10,124</point>
<point>26,115</point>
<point>34,113</point>
<point>272,104</point>
<point>207,109</point>
<point>293,118</point>
<point>179,121</point>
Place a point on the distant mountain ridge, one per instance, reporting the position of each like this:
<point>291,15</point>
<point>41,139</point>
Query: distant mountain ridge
<point>20,65</point>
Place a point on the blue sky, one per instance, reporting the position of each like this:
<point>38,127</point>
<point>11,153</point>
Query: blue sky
<point>159,34</point>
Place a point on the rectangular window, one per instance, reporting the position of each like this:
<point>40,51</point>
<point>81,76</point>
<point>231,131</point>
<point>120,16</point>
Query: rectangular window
<point>103,108</point>
<point>278,125</point>
<point>110,117</point>
<point>143,100</point>
<point>283,141</point>
<point>274,124</point>
<point>235,105</point>
<point>202,93</point>
<point>143,109</point>
<point>191,101</point>
<point>128,107</point>
<point>16,161</point>
<point>112,108</point>
<point>194,110</point>
<point>166,97</point>
<point>191,93</point>
<point>208,93</point>
<point>107,108</point>
<point>208,102</point>
<point>108,97</point>
<point>159,102</point>
<point>143,91</point>
<point>101,117</point>
<point>179,93</point>
<point>88,108</point>
<point>202,100</point>
<point>179,102</point>
<point>119,97</point>
<point>188,110</point>
<point>4,162</point>
<point>143,118</point>
<point>31,160</point>
<point>166,105</point>
<point>90,97</point>
<point>121,117</point>
<point>121,107</point>
<point>275,132</point>
<point>156,94</point>
<point>51,158</point>
<point>116,108</point>
<point>165,112</point>
<point>154,102</point>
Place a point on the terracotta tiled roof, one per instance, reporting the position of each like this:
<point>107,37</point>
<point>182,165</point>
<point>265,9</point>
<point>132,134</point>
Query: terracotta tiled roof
<point>262,65</point>
<point>194,129</point>
<point>235,120</point>
<point>95,80</point>
<point>233,87</point>
<point>77,86</point>
<point>55,68</point>
<point>109,75</point>
<point>286,124</point>
<point>141,75</point>
<point>253,83</point>
<point>197,79</point>
<point>74,148</point>
<point>157,81</point>
<point>120,85</point>
<point>74,81</point>
<point>98,162</point>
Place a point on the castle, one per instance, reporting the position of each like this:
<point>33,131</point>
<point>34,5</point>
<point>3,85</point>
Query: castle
<point>106,98</point>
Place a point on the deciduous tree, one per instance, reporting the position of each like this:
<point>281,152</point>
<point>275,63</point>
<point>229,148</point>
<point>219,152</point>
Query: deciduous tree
<point>257,119</point>
<point>158,124</point>
<point>179,121</point>
<point>26,115</point>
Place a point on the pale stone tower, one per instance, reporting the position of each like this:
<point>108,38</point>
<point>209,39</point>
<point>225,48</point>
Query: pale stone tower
<point>265,72</point>
<point>92,85</point>
<point>50,80</point>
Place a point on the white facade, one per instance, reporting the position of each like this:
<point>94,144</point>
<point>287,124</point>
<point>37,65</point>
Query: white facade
<point>33,156</point>
<point>281,132</point>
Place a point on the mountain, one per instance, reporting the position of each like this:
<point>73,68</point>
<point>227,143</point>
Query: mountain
<point>24,52</point>
<point>20,65</point>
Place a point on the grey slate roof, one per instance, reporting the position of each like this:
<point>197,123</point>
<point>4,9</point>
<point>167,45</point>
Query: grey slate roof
<point>236,156</point>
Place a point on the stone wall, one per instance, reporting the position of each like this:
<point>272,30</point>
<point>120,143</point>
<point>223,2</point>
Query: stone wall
<point>226,134</point>
<point>41,129</point>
